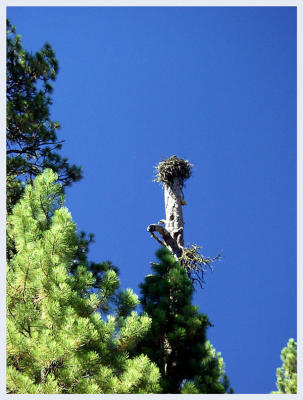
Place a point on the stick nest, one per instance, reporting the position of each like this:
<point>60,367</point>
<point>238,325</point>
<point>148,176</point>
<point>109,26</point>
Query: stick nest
<point>173,167</point>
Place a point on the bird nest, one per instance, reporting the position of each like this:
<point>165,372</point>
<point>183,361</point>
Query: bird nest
<point>171,168</point>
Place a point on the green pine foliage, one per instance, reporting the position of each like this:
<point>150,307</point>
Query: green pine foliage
<point>211,377</point>
<point>31,139</point>
<point>31,135</point>
<point>58,341</point>
<point>177,340</point>
<point>287,374</point>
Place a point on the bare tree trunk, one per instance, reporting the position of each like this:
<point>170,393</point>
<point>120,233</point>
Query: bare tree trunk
<point>173,232</point>
<point>174,223</point>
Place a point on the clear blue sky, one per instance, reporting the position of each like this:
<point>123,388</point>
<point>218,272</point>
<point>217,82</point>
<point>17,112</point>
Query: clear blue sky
<point>216,86</point>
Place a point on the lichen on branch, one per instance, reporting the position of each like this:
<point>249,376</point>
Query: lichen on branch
<point>195,263</point>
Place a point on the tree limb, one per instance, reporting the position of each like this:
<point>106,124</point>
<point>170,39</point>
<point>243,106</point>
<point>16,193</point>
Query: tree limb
<point>168,239</point>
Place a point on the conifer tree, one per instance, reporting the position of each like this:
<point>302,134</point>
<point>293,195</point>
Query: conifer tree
<point>31,135</point>
<point>58,341</point>
<point>177,340</point>
<point>287,374</point>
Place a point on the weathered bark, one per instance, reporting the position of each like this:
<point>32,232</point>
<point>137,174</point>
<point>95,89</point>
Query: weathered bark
<point>169,241</point>
<point>172,234</point>
<point>173,211</point>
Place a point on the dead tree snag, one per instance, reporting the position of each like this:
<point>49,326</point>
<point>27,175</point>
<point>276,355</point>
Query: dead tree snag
<point>172,173</point>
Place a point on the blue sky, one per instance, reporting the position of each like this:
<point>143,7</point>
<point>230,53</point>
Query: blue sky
<point>217,86</point>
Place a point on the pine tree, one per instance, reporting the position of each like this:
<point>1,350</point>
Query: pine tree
<point>287,374</point>
<point>31,138</point>
<point>60,336</point>
<point>177,340</point>
<point>32,141</point>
